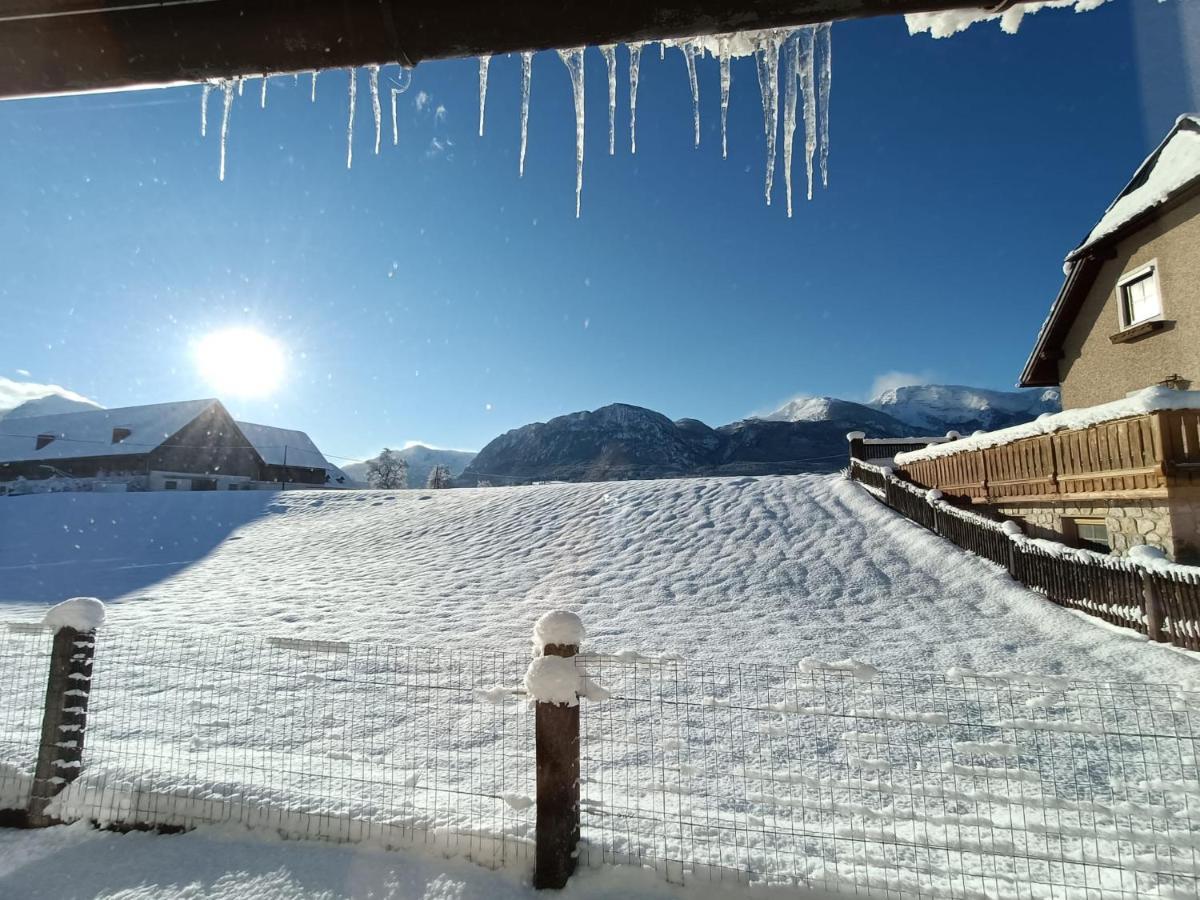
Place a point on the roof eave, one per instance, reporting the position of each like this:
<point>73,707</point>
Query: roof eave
<point>50,47</point>
<point>1041,369</point>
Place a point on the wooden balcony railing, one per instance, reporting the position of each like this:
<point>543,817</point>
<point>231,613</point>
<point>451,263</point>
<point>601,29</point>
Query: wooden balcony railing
<point>1133,458</point>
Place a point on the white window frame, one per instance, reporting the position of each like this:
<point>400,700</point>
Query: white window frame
<point>1147,271</point>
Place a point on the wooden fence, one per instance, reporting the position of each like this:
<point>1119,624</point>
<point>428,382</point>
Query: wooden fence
<point>1137,457</point>
<point>1162,603</point>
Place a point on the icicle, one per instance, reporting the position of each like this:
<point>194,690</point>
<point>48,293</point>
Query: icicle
<point>662,51</point>
<point>808,83</point>
<point>227,90</point>
<point>526,84</point>
<point>312,97</point>
<point>689,56</point>
<point>402,85</point>
<point>723,54</point>
<point>395,127</point>
<point>262,101</point>
<point>610,59</point>
<point>635,65</point>
<point>791,50</point>
<point>204,92</point>
<point>373,73</point>
<point>350,123</point>
<point>295,78</point>
<point>767,57</point>
<point>241,84</point>
<point>484,62</point>
<point>824,85</point>
<point>573,60</point>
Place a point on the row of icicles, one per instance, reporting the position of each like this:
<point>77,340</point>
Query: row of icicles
<point>801,57</point>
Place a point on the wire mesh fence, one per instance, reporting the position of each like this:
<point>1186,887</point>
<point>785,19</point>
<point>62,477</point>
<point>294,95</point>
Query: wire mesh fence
<point>922,785</point>
<point>24,652</point>
<point>362,742</point>
<point>828,775</point>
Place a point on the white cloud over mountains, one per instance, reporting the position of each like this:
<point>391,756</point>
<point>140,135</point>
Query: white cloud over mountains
<point>14,393</point>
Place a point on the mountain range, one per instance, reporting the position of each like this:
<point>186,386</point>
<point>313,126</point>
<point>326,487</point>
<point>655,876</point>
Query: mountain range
<point>808,434</point>
<point>621,441</point>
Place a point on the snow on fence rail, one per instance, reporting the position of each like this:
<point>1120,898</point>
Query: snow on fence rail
<point>824,774</point>
<point>1161,601</point>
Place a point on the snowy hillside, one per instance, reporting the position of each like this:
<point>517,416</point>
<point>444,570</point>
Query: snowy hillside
<point>774,568</point>
<point>937,408</point>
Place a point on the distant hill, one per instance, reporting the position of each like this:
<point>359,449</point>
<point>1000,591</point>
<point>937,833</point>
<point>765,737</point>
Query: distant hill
<point>49,405</point>
<point>807,434</point>
<point>421,460</point>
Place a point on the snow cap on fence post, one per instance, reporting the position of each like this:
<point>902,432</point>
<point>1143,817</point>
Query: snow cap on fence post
<point>558,628</point>
<point>80,613</point>
<point>857,447</point>
<point>554,684</point>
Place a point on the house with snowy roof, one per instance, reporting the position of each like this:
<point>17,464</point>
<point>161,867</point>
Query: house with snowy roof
<point>1120,465</point>
<point>1128,313</point>
<point>186,445</point>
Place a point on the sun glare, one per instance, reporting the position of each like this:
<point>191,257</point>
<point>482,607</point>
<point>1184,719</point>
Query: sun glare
<point>240,361</point>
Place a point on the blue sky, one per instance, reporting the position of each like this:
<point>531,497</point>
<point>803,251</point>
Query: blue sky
<point>429,294</point>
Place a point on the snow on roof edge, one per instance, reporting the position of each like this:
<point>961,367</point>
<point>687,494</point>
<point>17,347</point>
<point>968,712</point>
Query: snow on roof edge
<point>1106,229</point>
<point>1152,399</point>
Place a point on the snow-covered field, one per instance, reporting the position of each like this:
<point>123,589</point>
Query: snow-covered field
<point>839,777</point>
<point>75,862</point>
<point>772,569</point>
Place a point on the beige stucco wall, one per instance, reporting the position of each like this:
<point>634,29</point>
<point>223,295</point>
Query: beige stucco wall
<point>1095,370</point>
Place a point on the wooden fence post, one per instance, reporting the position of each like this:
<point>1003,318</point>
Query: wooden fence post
<point>1153,609</point>
<point>556,730</point>
<point>858,449</point>
<point>60,754</point>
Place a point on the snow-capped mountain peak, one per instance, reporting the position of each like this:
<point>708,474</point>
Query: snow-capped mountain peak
<point>802,409</point>
<point>22,399</point>
<point>936,408</point>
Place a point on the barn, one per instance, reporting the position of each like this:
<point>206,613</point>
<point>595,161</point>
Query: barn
<point>185,445</point>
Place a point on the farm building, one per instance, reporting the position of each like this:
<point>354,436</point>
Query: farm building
<point>1120,466</point>
<point>290,457</point>
<point>187,445</point>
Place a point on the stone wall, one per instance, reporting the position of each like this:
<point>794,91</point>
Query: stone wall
<point>1129,522</point>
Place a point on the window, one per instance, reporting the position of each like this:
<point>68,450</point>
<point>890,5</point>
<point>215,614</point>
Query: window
<point>1139,296</point>
<point>170,485</point>
<point>1091,534</point>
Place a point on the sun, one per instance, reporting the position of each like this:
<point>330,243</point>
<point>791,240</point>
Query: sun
<point>240,361</point>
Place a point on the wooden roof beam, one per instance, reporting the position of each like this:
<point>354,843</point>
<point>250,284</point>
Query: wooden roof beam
<point>52,47</point>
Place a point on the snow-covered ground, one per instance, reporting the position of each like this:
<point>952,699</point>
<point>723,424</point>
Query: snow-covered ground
<point>75,862</point>
<point>829,773</point>
<point>772,569</point>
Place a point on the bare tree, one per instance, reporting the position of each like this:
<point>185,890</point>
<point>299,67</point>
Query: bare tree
<point>388,470</point>
<point>440,477</point>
